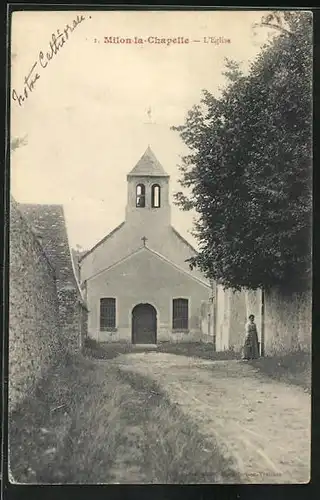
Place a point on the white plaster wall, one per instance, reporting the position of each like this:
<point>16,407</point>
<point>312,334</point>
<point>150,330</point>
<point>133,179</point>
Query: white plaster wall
<point>144,278</point>
<point>127,239</point>
<point>253,306</point>
<point>238,318</point>
<point>288,321</point>
<point>222,319</point>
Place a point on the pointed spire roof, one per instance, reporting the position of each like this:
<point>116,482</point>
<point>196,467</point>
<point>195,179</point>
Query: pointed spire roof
<point>148,165</point>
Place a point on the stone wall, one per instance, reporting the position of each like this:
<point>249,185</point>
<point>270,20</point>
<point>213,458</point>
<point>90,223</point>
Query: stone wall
<point>288,321</point>
<point>34,330</point>
<point>72,318</point>
<point>84,325</point>
<point>49,224</point>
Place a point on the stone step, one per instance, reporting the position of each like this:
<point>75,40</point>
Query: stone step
<point>144,346</point>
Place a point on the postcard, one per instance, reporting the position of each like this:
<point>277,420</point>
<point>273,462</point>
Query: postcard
<point>160,247</point>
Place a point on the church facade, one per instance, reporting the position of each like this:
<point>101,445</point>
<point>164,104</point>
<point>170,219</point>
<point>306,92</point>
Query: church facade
<point>136,282</point>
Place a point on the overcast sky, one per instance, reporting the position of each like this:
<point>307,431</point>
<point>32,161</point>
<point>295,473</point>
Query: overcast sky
<point>86,120</point>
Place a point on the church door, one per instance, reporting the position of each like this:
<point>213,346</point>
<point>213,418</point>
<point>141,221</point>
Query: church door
<point>144,324</point>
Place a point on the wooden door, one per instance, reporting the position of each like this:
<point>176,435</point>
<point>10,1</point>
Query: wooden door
<point>144,324</point>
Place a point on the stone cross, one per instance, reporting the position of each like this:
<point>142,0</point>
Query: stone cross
<point>144,239</point>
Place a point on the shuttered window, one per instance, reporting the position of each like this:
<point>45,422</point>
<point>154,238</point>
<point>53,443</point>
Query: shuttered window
<point>180,314</point>
<point>107,313</point>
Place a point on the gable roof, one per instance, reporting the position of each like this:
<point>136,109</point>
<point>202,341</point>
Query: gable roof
<point>183,239</point>
<point>48,224</point>
<point>148,166</point>
<point>75,255</point>
<point>159,256</point>
<point>101,241</point>
<point>165,259</point>
<point>81,257</point>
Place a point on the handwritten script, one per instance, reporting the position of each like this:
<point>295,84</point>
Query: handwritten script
<point>56,43</point>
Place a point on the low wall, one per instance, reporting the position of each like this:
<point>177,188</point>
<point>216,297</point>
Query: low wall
<point>34,329</point>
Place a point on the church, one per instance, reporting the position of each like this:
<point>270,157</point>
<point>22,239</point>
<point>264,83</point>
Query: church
<point>136,281</point>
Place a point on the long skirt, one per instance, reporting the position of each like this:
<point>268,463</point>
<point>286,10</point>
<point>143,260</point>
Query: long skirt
<point>251,346</point>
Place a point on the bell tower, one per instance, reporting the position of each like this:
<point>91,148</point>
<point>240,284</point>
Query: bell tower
<point>148,193</point>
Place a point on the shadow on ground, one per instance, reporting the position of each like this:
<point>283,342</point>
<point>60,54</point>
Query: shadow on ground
<point>105,350</point>
<point>90,423</point>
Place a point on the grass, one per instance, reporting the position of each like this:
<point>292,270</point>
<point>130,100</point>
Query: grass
<point>39,427</point>
<point>174,450</point>
<point>197,349</point>
<point>104,350</point>
<point>293,368</point>
<point>91,423</point>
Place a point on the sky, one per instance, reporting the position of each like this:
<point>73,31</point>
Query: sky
<point>85,120</point>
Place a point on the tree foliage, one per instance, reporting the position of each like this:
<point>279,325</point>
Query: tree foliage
<point>249,169</point>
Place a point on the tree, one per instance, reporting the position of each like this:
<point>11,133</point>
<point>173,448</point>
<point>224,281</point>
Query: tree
<point>249,167</point>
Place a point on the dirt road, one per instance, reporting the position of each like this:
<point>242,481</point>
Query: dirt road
<point>264,424</point>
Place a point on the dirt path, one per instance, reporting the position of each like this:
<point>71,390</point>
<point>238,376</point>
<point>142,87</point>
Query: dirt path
<point>264,424</point>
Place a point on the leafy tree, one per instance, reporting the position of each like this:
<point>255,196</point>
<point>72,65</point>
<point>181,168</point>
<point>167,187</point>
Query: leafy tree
<point>249,172</point>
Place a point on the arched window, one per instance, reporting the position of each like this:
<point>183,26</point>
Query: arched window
<point>155,196</point>
<point>140,196</point>
<point>180,314</point>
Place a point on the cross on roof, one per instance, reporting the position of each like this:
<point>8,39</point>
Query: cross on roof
<point>144,239</point>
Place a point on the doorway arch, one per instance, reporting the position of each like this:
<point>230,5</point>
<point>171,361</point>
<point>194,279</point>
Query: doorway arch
<point>144,324</point>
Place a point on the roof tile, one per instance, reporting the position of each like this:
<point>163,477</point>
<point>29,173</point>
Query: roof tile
<point>148,165</point>
<point>49,224</point>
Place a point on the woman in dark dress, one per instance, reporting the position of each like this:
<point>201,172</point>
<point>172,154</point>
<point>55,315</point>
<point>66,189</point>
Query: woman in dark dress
<point>251,345</point>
